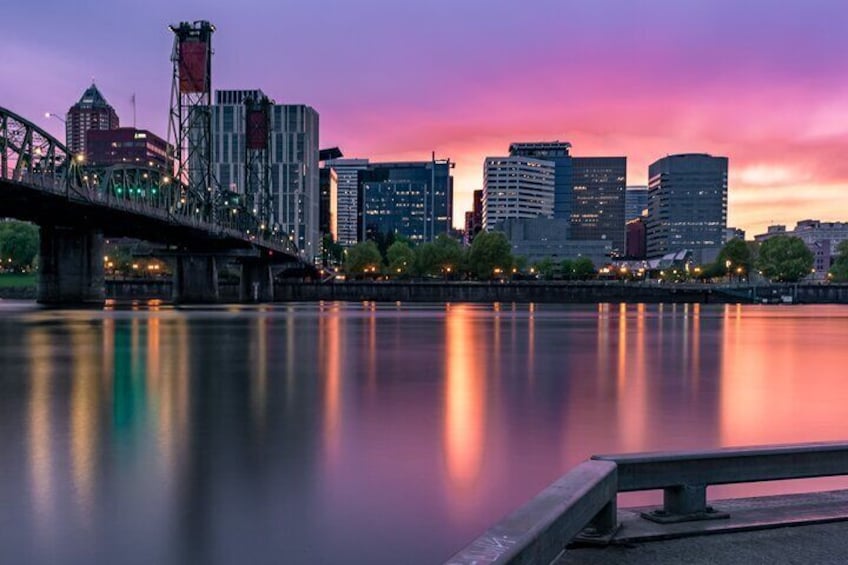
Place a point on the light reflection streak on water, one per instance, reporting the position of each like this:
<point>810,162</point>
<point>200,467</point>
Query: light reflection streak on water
<point>465,403</point>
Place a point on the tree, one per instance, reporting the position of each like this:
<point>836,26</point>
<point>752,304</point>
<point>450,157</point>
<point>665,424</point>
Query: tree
<point>583,268</point>
<point>18,244</point>
<point>401,258</point>
<point>839,269</point>
<point>442,257</point>
<point>545,268</point>
<point>567,269</point>
<point>332,253</point>
<point>363,258</point>
<point>489,252</point>
<point>785,258</point>
<point>735,258</point>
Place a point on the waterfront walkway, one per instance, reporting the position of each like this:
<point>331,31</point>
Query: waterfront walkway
<point>814,537</point>
<point>820,544</point>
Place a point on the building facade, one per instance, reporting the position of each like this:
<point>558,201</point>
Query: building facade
<point>637,242</point>
<point>289,157</point>
<point>348,209</point>
<point>558,153</point>
<point>327,211</point>
<point>545,238</point>
<point>687,204</point>
<point>635,202</point>
<point>517,187</point>
<point>821,238</point>
<point>128,146</point>
<point>91,112</point>
<point>413,199</point>
<point>474,218</point>
<point>598,200</point>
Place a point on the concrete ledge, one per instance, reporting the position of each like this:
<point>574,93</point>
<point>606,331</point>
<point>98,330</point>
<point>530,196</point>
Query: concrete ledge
<point>538,531</point>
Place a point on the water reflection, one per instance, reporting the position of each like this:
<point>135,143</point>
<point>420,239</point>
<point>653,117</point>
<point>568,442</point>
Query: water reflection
<point>465,397</point>
<point>336,432</point>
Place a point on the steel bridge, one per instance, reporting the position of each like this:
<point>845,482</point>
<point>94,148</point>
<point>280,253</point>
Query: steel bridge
<point>76,204</point>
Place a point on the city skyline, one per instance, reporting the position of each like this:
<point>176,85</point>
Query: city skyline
<point>757,83</point>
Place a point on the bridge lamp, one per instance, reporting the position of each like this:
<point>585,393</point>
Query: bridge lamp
<point>79,158</point>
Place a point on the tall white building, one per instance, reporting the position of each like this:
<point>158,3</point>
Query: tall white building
<point>292,162</point>
<point>517,187</point>
<point>347,205</point>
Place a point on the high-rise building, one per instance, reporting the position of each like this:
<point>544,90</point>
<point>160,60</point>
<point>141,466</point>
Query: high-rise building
<point>289,153</point>
<point>91,112</point>
<point>348,209</point>
<point>413,199</point>
<point>597,209</point>
<point>687,205</point>
<point>327,214</point>
<point>474,218</point>
<point>636,241</point>
<point>556,152</point>
<point>105,147</point>
<point>635,202</point>
<point>517,187</point>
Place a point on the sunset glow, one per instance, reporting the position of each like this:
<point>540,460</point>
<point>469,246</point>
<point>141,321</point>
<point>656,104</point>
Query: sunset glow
<point>761,83</point>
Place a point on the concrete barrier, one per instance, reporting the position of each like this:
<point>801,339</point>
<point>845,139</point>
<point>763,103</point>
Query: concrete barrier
<point>586,496</point>
<point>538,531</point>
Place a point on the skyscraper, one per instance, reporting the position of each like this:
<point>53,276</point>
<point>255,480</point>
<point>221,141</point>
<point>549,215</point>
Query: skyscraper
<point>597,211</point>
<point>687,204</point>
<point>557,152</point>
<point>517,187</point>
<point>348,209</point>
<point>413,199</point>
<point>290,160</point>
<point>329,197</point>
<point>91,112</point>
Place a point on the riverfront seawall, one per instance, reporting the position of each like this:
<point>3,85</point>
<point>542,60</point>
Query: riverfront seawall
<point>520,291</point>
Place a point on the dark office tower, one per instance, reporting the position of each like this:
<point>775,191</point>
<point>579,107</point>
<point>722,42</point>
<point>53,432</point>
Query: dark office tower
<point>687,204</point>
<point>635,202</point>
<point>413,199</point>
<point>91,112</point>
<point>556,152</point>
<point>636,238</point>
<point>597,211</point>
<point>474,218</point>
<point>328,185</point>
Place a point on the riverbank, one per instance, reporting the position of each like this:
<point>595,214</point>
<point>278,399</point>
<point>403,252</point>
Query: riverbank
<point>584,292</point>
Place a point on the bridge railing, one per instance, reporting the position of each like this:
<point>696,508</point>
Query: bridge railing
<point>586,497</point>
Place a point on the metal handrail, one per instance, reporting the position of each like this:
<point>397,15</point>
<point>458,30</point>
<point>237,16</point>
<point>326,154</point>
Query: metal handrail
<point>587,496</point>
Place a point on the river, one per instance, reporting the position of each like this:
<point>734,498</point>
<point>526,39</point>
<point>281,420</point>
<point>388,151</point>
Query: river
<point>369,433</point>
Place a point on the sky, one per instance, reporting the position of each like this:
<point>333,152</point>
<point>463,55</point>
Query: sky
<point>764,83</point>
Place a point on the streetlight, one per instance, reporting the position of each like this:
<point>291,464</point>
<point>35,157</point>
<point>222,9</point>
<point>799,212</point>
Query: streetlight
<point>57,116</point>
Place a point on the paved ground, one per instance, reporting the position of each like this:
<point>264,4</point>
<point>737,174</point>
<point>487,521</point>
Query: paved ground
<point>819,544</point>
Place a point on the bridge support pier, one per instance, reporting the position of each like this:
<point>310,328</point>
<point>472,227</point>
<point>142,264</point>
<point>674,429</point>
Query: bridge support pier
<point>195,279</point>
<point>257,282</point>
<point>71,266</point>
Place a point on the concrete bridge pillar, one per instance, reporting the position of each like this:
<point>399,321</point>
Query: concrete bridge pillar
<point>257,282</point>
<point>195,279</point>
<point>71,266</point>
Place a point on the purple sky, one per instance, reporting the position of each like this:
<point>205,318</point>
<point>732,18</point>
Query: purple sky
<point>765,83</point>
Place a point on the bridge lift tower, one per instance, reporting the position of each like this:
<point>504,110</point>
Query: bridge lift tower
<point>190,124</point>
<point>257,163</point>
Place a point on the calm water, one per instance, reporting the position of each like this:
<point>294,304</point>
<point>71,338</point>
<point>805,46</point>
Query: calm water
<point>362,433</point>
